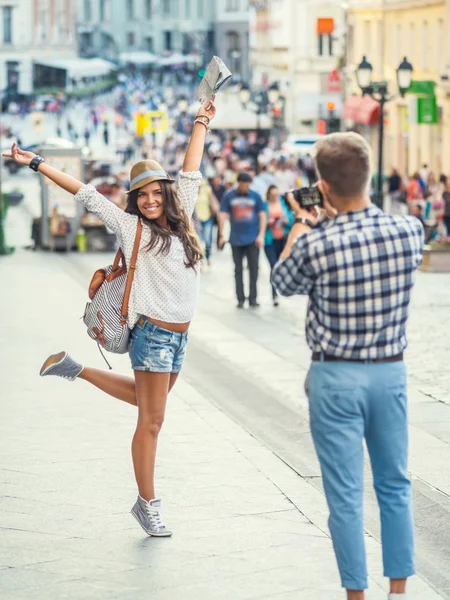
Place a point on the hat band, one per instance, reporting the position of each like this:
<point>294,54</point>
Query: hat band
<point>146,174</point>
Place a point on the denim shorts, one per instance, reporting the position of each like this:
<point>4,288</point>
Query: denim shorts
<point>155,349</point>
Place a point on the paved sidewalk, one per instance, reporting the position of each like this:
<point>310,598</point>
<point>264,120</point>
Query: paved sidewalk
<point>246,526</point>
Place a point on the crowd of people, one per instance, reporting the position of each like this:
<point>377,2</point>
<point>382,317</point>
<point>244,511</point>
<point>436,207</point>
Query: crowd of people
<point>425,196</point>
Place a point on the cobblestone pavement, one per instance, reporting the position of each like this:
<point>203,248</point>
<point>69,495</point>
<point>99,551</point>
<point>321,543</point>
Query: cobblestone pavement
<point>246,525</point>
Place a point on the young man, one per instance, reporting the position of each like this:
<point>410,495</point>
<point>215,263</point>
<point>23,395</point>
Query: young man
<point>358,268</point>
<point>247,214</point>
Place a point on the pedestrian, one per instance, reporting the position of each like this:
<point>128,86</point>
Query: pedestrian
<point>446,199</point>
<point>87,136</point>
<point>206,209</point>
<point>279,220</point>
<point>95,119</point>
<point>168,265</point>
<point>397,193</point>
<point>358,269</point>
<point>413,188</point>
<point>246,212</point>
<point>106,133</point>
<point>70,130</point>
<point>310,170</point>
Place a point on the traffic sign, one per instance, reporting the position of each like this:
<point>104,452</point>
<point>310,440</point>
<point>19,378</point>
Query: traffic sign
<point>157,121</point>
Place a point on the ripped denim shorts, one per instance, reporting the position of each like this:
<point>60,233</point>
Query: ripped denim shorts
<point>155,349</point>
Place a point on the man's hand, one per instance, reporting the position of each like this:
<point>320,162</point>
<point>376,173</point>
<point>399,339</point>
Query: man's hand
<point>259,241</point>
<point>299,212</point>
<point>20,156</point>
<point>221,242</point>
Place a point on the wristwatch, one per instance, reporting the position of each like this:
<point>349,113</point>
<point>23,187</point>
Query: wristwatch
<point>304,221</point>
<point>35,162</point>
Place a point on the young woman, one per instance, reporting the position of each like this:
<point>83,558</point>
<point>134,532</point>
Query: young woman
<point>162,300</point>
<point>279,221</point>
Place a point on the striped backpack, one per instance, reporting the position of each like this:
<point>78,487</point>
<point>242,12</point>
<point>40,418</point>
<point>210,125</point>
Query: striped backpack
<point>105,316</point>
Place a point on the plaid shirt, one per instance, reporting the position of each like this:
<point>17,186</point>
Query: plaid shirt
<point>358,270</point>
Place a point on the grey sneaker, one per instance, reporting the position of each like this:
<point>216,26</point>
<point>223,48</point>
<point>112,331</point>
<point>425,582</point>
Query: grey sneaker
<point>149,518</point>
<point>61,365</point>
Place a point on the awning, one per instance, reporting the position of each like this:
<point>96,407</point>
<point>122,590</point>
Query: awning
<point>77,68</point>
<point>138,58</point>
<point>177,59</point>
<point>363,110</point>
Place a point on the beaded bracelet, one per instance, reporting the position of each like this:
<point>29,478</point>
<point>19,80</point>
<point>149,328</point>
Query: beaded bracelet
<point>200,120</point>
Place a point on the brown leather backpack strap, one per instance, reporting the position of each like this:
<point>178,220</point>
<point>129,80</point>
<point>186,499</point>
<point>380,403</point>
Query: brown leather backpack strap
<point>119,257</point>
<point>131,269</point>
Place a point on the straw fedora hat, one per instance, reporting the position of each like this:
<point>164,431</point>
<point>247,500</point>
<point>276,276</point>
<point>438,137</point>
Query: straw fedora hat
<point>147,171</point>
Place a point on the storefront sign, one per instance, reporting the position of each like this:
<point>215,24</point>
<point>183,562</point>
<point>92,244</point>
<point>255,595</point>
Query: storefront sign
<point>427,110</point>
<point>422,88</point>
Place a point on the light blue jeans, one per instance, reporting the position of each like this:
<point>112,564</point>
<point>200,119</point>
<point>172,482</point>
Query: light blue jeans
<point>206,234</point>
<point>349,402</point>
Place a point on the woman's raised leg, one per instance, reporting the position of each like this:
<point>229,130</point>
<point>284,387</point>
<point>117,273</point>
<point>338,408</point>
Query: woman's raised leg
<point>118,386</point>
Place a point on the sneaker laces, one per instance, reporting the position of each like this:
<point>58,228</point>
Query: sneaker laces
<point>154,517</point>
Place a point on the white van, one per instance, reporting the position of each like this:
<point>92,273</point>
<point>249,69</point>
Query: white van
<point>298,144</point>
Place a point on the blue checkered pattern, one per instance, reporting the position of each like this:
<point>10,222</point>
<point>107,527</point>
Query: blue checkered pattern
<point>358,270</point>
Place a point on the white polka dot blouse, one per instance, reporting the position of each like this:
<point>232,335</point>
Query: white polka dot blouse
<point>163,287</point>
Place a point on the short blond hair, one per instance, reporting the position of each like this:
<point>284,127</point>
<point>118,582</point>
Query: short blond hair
<point>344,161</point>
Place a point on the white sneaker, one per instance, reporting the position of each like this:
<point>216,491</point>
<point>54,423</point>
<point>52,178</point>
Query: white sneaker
<point>149,518</point>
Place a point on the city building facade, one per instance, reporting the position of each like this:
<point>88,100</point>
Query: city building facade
<point>31,30</point>
<point>299,45</point>
<point>232,25</point>
<point>109,28</point>
<point>417,126</point>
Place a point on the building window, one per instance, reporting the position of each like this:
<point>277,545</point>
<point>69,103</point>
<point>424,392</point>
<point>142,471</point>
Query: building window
<point>167,40</point>
<point>412,42</point>
<point>325,29</point>
<point>87,10</point>
<point>425,34</point>
<point>187,8</point>
<point>7,24</point>
<point>101,9</point>
<point>148,9</point>
<point>166,7</point>
<point>439,44</point>
<point>232,5</point>
<point>149,44</point>
<point>367,39</point>
<point>131,38</point>
<point>398,41</point>
<point>130,9</point>
<point>200,9</point>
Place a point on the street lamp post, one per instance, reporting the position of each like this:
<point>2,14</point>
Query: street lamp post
<point>378,90</point>
<point>264,99</point>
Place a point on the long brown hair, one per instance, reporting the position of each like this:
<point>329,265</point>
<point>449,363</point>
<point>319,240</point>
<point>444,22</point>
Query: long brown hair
<point>178,222</point>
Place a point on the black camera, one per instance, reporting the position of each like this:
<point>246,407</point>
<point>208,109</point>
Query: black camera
<point>308,196</point>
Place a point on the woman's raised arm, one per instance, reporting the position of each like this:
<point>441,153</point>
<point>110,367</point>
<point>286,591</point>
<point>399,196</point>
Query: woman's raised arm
<point>112,216</point>
<point>66,182</point>
<point>196,146</point>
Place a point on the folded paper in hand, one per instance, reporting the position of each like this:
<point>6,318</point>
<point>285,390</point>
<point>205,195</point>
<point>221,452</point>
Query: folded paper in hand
<point>216,75</point>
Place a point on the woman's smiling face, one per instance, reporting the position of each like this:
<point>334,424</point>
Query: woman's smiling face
<point>150,200</point>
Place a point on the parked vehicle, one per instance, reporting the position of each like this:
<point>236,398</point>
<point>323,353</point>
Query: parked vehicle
<point>299,144</point>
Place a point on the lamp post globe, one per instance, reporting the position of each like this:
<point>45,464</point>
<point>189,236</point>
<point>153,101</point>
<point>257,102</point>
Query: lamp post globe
<point>244,94</point>
<point>364,74</point>
<point>404,76</point>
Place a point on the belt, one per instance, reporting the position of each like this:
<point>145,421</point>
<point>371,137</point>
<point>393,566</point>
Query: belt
<point>321,356</point>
